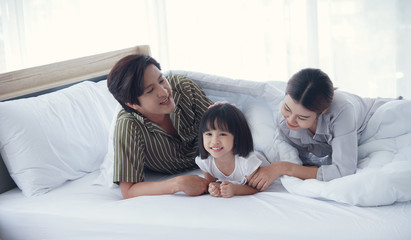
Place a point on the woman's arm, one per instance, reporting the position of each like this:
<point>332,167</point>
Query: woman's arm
<point>192,185</point>
<point>266,175</point>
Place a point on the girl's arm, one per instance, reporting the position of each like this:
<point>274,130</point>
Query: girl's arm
<point>213,186</point>
<point>266,175</point>
<point>228,189</point>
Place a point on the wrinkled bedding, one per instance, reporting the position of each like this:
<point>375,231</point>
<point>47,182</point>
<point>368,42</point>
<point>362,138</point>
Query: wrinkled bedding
<point>384,167</point>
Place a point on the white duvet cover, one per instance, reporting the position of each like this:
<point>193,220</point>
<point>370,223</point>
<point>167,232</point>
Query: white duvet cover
<point>384,169</point>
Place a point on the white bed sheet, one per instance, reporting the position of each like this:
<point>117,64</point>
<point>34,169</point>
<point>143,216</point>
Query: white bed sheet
<point>81,210</point>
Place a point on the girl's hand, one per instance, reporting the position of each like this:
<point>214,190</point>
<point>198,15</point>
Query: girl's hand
<point>264,176</point>
<point>227,189</point>
<point>214,189</point>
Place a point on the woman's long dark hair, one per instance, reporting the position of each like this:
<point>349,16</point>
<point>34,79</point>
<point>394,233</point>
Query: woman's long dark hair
<point>312,88</point>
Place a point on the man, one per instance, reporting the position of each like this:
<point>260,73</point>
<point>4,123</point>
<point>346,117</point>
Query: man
<point>156,129</point>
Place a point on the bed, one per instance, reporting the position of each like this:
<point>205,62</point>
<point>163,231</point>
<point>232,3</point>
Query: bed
<point>55,142</point>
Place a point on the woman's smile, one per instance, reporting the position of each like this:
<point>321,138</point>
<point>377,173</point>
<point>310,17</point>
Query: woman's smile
<point>291,125</point>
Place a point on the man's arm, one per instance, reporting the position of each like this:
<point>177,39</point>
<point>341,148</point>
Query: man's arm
<point>209,177</point>
<point>192,185</point>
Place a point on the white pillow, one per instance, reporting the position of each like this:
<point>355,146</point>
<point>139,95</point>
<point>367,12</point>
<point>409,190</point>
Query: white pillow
<point>105,177</point>
<point>52,138</point>
<point>262,125</point>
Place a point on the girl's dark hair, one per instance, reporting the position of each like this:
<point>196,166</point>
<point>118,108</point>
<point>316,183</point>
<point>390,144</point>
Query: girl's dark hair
<point>228,118</point>
<point>126,79</point>
<point>311,88</point>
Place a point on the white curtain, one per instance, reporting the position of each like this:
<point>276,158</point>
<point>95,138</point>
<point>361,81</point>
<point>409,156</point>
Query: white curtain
<point>36,32</point>
<point>364,45</point>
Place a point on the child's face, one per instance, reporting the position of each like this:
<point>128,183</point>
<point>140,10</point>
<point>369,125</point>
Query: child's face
<point>219,143</point>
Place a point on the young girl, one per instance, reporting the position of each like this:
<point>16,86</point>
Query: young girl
<point>226,154</point>
<point>323,125</point>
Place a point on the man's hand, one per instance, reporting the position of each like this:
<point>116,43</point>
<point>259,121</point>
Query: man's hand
<point>191,185</point>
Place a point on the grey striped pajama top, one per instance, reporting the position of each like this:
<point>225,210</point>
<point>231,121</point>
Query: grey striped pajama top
<point>140,143</point>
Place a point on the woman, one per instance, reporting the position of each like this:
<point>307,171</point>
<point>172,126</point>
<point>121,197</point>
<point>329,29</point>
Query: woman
<point>156,129</point>
<point>323,125</point>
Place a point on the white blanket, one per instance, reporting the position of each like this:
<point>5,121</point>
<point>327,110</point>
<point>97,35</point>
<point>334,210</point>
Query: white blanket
<point>384,168</point>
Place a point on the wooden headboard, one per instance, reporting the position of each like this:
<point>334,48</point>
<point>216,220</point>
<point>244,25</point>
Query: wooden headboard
<point>23,82</point>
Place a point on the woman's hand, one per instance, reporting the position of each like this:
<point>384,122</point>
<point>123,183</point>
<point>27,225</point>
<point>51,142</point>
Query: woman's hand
<point>264,176</point>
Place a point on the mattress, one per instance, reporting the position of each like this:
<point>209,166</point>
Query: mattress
<point>82,210</point>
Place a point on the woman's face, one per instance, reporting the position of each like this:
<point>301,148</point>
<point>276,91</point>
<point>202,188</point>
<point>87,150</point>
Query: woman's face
<point>157,99</point>
<point>296,116</point>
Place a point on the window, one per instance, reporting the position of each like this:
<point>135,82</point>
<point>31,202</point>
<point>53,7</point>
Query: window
<point>363,45</point>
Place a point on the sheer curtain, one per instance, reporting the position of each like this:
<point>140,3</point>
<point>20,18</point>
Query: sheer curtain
<point>35,32</point>
<point>364,45</point>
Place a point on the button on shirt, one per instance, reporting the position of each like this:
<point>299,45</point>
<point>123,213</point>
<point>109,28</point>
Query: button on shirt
<point>334,146</point>
<point>140,143</point>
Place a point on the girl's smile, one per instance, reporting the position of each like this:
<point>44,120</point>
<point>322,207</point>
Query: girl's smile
<point>216,149</point>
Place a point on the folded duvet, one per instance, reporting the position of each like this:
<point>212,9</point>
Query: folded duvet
<point>384,166</point>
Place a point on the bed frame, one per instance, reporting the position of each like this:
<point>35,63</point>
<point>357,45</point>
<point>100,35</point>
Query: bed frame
<point>47,78</point>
